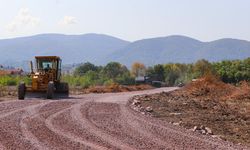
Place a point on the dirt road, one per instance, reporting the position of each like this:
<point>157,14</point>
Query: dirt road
<point>93,121</point>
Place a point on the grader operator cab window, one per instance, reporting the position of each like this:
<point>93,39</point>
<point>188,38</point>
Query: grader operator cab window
<point>46,65</point>
<point>49,64</point>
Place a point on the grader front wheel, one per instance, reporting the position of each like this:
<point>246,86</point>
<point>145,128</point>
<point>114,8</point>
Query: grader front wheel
<point>50,90</point>
<point>21,91</point>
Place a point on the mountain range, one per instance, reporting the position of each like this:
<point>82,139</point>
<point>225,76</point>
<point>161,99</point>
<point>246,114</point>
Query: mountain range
<point>101,49</point>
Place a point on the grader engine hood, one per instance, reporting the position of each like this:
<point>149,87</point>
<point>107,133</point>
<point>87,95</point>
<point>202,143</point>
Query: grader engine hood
<point>39,81</point>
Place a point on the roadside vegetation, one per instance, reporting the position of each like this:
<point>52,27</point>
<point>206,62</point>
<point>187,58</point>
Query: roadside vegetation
<point>172,74</point>
<point>8,84</point>
<point>88,75</point>
<point>13,80</point>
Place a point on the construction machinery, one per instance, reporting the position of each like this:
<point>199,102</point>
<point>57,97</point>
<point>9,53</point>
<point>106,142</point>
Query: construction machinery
<point>46,78</point>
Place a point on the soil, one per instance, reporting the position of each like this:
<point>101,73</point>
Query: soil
<point>115,88</point>
<point>94,121</point>
<point>222,108</point>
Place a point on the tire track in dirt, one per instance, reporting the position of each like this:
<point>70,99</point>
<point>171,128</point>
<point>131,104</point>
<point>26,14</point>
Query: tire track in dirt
<point>10,132</point>
<point>32,112</point>
<point>69,136</point>
<point>17,109</point>
<point>5,117</point>
<point>159,132</point>
<point>133,123</point>
<point>84,121</point>
<point>12,128</point>
<point>45,134</point>
<point>67,124</point>
<point>110,121</point>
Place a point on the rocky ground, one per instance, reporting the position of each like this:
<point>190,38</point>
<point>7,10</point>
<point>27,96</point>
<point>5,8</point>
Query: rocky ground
<point>207,107</point>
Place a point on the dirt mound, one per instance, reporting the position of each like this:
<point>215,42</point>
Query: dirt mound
<point>213,88</point>
<point>117,88</point>
<point>206,102</point>
<point>114,88</point>
<point>242,92</point>
<point>209,86</point>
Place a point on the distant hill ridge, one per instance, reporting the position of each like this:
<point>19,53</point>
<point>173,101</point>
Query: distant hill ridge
<point>181,49</point>
<point>100,49</point>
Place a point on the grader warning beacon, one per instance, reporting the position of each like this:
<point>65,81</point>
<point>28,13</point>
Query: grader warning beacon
<point>46,78</point>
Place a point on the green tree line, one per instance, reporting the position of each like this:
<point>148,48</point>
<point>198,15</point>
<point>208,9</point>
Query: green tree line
<point>230,71</point>
<point>88,74</point>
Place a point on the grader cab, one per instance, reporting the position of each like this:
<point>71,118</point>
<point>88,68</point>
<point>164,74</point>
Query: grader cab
<point>46,78</point>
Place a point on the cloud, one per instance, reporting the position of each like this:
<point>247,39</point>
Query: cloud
<point>23,19</point>
<point>68,20</point>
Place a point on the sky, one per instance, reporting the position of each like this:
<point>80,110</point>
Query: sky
<point>131,20</point>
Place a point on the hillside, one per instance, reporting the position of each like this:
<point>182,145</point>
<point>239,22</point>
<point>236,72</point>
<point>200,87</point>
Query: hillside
<point>101,49</point>
<point>180,49</point>
<point>72,48</point>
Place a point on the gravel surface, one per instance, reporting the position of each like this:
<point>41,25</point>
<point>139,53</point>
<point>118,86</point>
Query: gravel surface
<point>93,121</point>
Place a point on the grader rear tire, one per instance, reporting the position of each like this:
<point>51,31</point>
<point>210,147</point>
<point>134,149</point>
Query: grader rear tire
<point>66,89</point>
<point>21,91</point>
<point>63,89</point>
<point>50,90</point>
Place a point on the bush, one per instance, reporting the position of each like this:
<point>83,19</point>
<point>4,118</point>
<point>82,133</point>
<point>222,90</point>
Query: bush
<point>84,68</point>
<point>8,81</point>
<point>125,79</point>
<point>109,82</point>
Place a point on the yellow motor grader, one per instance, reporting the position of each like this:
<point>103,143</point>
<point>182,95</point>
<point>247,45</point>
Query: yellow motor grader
<point>46,78</point>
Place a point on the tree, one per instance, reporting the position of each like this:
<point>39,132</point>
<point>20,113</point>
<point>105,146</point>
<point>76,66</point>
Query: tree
<point>150,71</point>
<point>84,68</point>
<point>202,67</point>
<point>159,71</point>
<point>138,69</point>
<point>125,79</point>
<point>114,69</point>
<point>172,73</point>
<point>233,71</point>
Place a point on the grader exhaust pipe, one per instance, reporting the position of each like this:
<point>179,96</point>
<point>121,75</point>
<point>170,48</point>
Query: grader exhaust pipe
<point>31,67</point>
